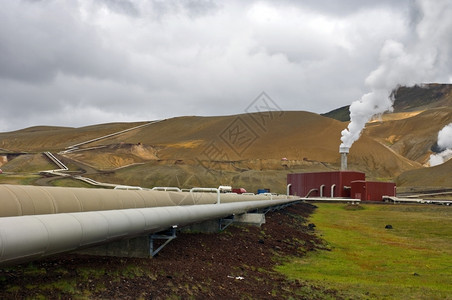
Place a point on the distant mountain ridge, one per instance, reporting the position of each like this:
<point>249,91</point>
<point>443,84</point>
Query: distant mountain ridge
<point>341,114</point>
<point>420,97</point>
<point>408,99</point>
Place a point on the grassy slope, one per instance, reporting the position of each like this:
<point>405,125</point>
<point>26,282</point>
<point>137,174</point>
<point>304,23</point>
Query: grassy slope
<point>28,163</point>
<point>411,261</point>
<point>25,179</point>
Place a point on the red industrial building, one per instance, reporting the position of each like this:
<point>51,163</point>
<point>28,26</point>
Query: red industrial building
<point>340,184</point>
<point>372,190</point>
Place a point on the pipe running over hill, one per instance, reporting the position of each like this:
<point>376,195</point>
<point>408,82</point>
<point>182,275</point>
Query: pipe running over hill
<point>44,221</point>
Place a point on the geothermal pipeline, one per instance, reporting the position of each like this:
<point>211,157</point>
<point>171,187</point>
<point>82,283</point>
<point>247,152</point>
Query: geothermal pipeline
<point>36,222</point>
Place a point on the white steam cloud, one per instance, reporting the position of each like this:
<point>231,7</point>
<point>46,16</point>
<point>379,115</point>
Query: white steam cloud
<point>445,144</point>
<point>416,61</point>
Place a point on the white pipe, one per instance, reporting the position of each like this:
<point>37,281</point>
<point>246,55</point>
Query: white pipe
<point>195,189</point>
<point>166,188</point>
<point>73,147</point>
<point>332,190</point>
<point>288,189</point>
<point>127,187</point>
<point>56,161</point>
<point>321,190</point>
<point>25,238</point>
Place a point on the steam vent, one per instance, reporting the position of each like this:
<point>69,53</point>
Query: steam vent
<point>343,151</point>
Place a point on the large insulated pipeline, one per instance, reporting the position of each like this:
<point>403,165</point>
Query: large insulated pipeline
<point>24,238</point>
<point>19,200</point>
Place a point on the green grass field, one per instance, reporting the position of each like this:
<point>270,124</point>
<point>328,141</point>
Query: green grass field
<point>25,179</point>
<point>411,261</point>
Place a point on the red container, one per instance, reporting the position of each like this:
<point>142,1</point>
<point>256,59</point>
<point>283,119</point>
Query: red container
<point>323,184</point>
<point>372,190</point>
<point>239,191</point>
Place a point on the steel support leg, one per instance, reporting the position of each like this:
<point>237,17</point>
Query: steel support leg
<point>167,235</point>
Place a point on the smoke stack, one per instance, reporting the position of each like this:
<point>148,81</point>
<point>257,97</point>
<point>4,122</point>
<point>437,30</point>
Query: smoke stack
<point>343,151</point>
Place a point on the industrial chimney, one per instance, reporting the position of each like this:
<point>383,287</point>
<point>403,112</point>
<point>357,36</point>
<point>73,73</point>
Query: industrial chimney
<point>343,150</point>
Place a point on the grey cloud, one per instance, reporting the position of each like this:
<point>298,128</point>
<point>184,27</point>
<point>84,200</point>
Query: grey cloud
<point>348,7</point>
<point>78,63</point>
<point>201,7</point>
<point>191,8</point>
<point>37,42</point>
<point>121,6</point>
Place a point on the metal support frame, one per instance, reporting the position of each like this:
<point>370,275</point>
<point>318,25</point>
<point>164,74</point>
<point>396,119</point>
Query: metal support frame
<point>225,222</point>
<point>165,235</point>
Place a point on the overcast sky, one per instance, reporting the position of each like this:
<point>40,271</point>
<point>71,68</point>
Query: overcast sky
<point>77,63</point>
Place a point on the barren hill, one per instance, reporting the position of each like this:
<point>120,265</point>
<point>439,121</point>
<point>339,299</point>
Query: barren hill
<point>248,150</point>
<point>437,177</point>
<point>48,138</point>
<point>412,137</point>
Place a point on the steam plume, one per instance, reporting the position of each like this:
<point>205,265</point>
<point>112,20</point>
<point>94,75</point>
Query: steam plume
<point>445,144</point>
<point>424,58</point>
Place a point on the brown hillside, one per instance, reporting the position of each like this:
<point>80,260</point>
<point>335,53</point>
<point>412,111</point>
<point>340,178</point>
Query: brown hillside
<point>116,155</point>
<point>241,150</point>
<point>301,137</point>
<point>412,137</point>
<point>377,160</point>
<point>295,135</point>
<point>46,138</point>
<point>438,176</point>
